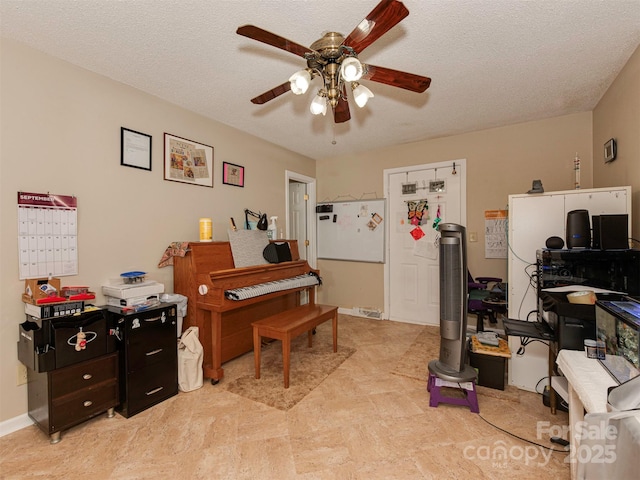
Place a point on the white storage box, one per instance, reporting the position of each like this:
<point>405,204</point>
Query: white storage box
<point>133,290</point>
<point>132,302</point>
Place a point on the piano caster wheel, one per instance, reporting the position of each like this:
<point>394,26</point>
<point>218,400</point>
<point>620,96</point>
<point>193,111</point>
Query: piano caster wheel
<point>214,381</point>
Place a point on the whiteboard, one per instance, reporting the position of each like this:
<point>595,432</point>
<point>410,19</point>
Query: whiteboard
<point>351,230</point>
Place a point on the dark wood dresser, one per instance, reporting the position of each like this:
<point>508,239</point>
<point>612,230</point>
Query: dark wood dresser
<point>64,397</point>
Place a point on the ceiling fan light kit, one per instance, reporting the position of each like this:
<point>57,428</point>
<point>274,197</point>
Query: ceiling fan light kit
<point>334,59</point>
<point>300,82</point>
<point>361,94</point>
<point>319,104</point>
<point>351,69</point>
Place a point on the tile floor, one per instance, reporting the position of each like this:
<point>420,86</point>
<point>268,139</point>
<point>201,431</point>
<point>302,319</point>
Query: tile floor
<point>362,422</point>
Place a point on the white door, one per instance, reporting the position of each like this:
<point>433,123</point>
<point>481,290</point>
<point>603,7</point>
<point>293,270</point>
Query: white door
<point>298,215</point>
<point>419,197</point>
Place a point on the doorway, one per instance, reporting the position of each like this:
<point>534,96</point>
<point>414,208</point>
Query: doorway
<point>300,213</point>
<point>435,193</point>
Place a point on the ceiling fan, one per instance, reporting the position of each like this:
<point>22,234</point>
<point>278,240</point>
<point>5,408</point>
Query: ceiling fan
<point>334,59</point>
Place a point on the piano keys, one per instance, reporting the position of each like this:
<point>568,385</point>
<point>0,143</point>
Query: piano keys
<point>260,289</point>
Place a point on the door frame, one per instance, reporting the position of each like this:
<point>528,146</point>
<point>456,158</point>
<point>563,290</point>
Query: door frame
<point>310,212</point>
<point>462,162</point>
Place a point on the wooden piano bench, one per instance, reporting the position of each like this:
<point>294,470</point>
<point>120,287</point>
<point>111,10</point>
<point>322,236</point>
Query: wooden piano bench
<point>289,324</point>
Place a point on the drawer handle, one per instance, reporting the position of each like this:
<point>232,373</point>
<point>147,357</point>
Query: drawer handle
<point>153,352</point>
<point>88,403</point>
<point>87,376</point>
<point>154,391</point>
<point>152,319</point>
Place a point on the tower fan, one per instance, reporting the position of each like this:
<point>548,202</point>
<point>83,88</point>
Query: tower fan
<point>451,365</point>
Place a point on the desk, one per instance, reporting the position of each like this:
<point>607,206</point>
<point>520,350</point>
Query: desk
<point>540,331</point>
<point>587,387</point>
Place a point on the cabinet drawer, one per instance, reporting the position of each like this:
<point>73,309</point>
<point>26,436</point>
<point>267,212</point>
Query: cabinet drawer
<point>143,353</point>
<point>148,387</point>
<point>83,404</point>
<point>85,375</point>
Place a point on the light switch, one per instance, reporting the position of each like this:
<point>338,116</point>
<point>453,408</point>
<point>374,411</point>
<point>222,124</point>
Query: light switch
<point>473,236</point>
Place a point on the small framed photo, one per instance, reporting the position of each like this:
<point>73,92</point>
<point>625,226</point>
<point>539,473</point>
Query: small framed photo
<point>187,161</point>
<point>135,149</point>
<point>232,174</point>
<point>610,151</point>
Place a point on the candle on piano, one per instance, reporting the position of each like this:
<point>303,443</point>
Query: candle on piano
<point>206,231</point>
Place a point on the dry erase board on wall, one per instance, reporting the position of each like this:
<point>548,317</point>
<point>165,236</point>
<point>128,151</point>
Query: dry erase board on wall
<point>351,230</point>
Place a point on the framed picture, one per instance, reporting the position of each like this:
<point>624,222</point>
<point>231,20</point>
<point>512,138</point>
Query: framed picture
<point>135,149</point>
<point>187,161</point>
<point>610,151</point>
<point>232,174</point>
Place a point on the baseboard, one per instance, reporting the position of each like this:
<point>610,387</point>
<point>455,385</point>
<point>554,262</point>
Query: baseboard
<point>14,424</point>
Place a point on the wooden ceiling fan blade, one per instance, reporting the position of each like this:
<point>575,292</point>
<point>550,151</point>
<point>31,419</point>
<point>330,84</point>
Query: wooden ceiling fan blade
<point>386,15</point>
<point>271,94</point>
<point>260,35</point>
<point>341,111</point>
<point>396,78</point>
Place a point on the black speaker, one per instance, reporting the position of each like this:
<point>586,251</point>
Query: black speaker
<point>578,229</point>
<point>554,242</point>
<point>595,225</point>
<point>611,231</point>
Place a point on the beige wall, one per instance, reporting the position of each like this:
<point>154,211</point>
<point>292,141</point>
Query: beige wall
<point>617,115</point>
<point>500,162</point>
<point>61,134</point>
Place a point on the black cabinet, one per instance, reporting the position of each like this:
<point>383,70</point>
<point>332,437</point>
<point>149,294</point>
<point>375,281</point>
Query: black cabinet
<point>148,356</point>
<point>572,323</point>
<point>72,369</point>
<point>67,396</point>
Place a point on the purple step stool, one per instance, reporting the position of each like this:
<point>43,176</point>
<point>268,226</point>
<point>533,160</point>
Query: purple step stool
<point>465,380</point>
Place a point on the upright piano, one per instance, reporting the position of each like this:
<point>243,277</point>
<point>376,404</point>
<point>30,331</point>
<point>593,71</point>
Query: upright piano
<point>221,300</point>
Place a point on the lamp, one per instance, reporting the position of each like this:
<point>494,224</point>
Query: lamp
<point>300,82</point>
<point>319,104</point>
<point>262,219</point>
<point>361,94</point>
<point>337,65</point>
<point>351,69</point>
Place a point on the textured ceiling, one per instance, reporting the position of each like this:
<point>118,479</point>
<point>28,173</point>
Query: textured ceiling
<point>492,62</point>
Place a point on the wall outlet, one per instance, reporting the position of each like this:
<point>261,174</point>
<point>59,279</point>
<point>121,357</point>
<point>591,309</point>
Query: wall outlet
<point>21,379</point>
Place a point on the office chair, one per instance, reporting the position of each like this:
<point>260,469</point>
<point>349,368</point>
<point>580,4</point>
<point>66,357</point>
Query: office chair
<point>478,291</point>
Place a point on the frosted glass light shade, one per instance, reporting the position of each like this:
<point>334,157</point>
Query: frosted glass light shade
<point>300,82</point>
<point>351,69</point>
<point>319,105</point>
<point>361,95</point>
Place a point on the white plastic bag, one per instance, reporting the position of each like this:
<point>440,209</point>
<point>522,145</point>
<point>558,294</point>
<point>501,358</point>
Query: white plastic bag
<point>190,361</point>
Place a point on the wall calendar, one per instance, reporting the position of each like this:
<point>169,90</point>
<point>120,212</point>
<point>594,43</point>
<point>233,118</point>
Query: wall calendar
<point>47,235</point>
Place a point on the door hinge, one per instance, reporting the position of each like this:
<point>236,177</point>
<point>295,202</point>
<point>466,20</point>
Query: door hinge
<point>306,197</point>
<point>306,243</point>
